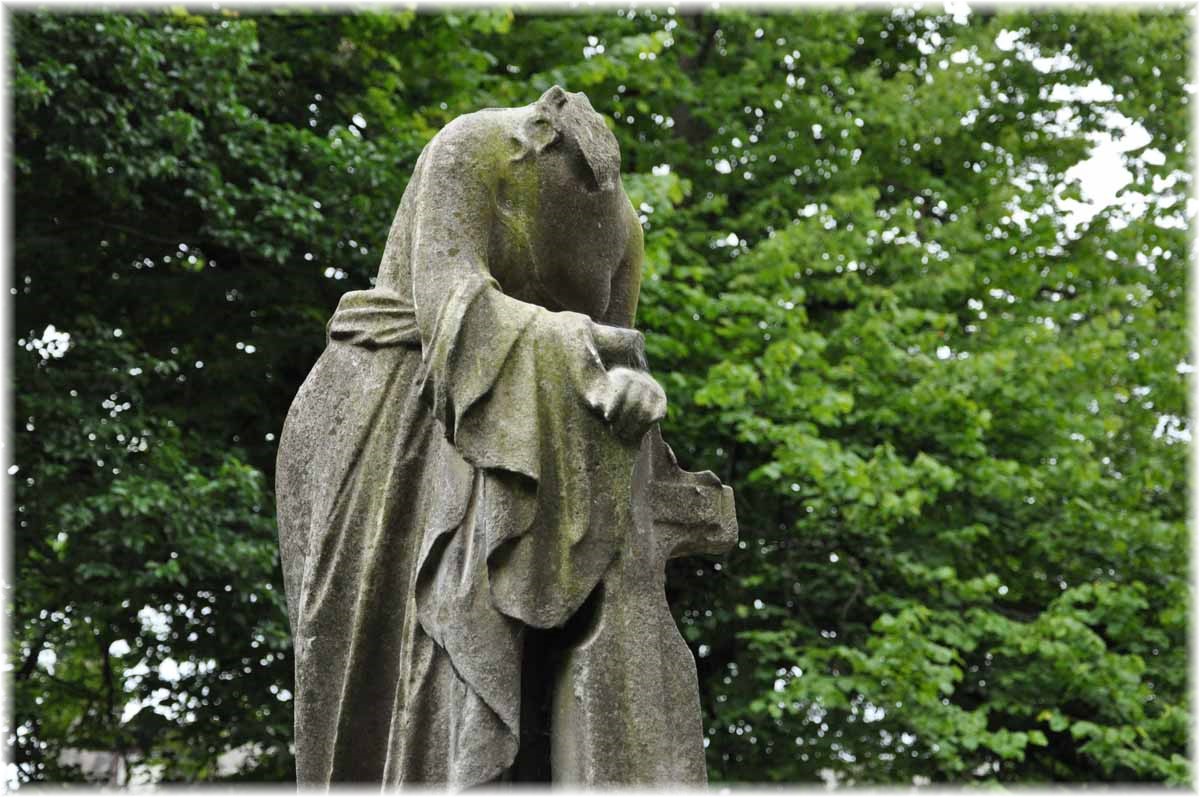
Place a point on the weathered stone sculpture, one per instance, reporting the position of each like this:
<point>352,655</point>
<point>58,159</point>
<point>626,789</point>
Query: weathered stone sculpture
<point>475,505</point>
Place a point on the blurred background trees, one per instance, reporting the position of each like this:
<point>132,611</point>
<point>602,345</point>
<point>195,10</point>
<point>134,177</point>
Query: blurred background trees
<point>946,383</point>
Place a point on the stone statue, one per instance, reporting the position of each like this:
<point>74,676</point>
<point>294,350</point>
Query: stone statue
<point>475,504</point>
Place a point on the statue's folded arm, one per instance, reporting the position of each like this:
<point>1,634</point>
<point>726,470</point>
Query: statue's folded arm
<point>468,325</point>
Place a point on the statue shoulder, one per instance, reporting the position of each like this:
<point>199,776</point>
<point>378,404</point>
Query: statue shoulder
<point>476,143</point>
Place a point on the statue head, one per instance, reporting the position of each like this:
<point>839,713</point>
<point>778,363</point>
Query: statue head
<point>560,206</point>
<point>562,119</point>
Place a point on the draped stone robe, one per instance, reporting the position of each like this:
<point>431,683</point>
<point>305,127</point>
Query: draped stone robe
<point>443,486</point>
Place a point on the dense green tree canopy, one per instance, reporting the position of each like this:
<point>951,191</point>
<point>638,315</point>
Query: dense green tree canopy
<point>953,411</point>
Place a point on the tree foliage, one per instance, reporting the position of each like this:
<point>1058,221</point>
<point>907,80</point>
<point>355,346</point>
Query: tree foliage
<point>953,412</point>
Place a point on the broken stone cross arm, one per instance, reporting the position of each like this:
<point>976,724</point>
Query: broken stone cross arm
<point>626,705</point>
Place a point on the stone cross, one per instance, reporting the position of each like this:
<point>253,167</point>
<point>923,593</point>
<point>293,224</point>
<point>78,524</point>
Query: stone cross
<point>626,705</point>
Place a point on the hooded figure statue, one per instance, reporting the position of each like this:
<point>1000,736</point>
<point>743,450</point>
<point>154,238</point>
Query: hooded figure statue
<point>455,475</point>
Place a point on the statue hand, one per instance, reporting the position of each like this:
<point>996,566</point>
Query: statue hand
<point>629,400</point>
<point>620,346</point>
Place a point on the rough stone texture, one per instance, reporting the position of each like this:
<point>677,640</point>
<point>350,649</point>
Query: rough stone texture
<point>475,505</point>
<point>626,702</point>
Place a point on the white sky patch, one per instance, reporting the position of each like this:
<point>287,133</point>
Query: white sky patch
<point>155,622</point>
<point>1173,429</point>
<point>1007,39</point>
<point>958,10</point>
<point>1055,63</point>
<point>594,47</point>
<point>1103,175</point>
<point>168,670</point>
<point>52,345</point>
<point>1092,92</point>
<point>135,674</point>
<point>1154,157</point>
<point>131,708</point>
